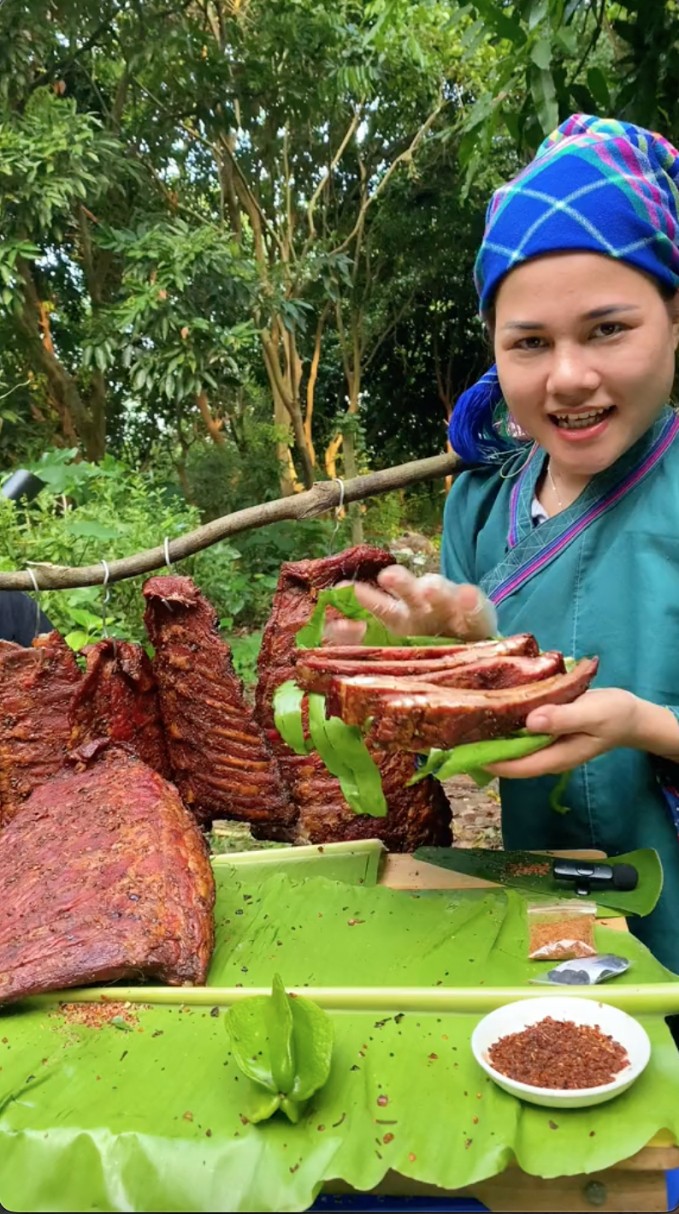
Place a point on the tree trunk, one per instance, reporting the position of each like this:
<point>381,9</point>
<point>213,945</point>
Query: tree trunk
<point>213,425</point>
<point>331,452</point>
<point>351,471</point>
<point>284,381</point>
<point>74,411</point>
<point>289,480</point>
<point>353,375</point>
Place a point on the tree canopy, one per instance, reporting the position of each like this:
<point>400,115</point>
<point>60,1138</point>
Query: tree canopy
<point>237,235</point>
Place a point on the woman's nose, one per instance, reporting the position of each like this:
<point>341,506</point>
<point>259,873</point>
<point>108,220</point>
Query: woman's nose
<point>571,371</point>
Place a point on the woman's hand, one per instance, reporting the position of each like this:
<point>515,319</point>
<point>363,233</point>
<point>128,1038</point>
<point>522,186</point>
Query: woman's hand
<point>424,606</point>
<point>599,720</point>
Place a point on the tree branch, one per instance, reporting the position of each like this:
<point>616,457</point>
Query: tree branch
<point>599,20</point>
<point>329,171</point>
<point>406,155</point>
<point>323,497</point>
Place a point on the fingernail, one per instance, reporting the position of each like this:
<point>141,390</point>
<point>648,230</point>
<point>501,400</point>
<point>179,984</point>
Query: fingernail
<point>538,720</point>
<point>480,606</point>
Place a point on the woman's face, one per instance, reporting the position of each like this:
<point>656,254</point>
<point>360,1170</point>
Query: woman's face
<point>584,347</point>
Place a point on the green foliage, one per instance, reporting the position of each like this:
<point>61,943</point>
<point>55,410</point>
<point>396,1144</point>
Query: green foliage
<point>87,512</point>
<point>179,181</point>
<point>245,651</point>
<point>607,58</point>
<point>50,157</point>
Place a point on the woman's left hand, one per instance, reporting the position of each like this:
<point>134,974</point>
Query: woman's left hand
<point>597,721</point>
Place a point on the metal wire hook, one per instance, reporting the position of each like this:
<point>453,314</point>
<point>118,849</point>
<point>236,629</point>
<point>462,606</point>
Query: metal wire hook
<point>338,513</point>
<point>31,574</point>
<point>107,598</point>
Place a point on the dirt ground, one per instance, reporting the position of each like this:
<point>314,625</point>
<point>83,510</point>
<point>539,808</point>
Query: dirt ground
<point>476,813</point>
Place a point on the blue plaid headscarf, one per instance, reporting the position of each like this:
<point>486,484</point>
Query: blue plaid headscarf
<point>596,185</point>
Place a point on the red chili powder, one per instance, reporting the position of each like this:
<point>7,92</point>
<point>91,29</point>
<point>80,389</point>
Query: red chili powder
<point>559,1054</point>
<point>96,1015</point>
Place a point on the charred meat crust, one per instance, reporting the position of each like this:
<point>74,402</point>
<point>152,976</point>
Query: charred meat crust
<point>427,716</point>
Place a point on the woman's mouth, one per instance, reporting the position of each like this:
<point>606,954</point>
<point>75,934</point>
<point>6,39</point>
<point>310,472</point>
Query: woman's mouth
<point>581,420</point>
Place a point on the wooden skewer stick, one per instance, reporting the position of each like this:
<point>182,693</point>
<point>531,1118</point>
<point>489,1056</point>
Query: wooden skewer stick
<point>324,496</point>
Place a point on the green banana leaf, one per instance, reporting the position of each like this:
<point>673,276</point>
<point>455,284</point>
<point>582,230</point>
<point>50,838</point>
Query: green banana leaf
<point>155,1118</point>
<point>499,865</point>
<point>356,861</point>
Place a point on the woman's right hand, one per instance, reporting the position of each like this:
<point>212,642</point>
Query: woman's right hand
<point>410,606</point>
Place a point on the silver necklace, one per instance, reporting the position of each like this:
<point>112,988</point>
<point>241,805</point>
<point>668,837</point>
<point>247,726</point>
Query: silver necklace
<point>553,487</point>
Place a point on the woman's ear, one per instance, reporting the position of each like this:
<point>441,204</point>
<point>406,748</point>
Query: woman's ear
<point>674,314</point>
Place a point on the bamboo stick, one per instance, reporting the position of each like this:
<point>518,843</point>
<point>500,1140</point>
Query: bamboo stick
<point>660,998</point>
<point>324,496</point>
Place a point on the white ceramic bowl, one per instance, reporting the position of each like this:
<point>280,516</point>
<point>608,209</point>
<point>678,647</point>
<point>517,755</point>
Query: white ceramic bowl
<point>517,1016</point>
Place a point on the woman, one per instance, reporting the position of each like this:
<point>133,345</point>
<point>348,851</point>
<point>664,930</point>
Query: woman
<point>569,527</point>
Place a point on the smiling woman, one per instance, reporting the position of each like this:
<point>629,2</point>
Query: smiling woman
<point>590,377</point>
<point>568,525</point>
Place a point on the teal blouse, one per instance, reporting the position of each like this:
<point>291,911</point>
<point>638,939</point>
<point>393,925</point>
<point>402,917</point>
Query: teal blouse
<point>600,578</point>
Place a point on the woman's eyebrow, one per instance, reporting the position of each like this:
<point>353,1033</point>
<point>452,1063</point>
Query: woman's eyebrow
<point>593,314</point>
<point>609,310</point>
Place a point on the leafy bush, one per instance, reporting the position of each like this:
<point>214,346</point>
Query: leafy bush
<point>87,512</point>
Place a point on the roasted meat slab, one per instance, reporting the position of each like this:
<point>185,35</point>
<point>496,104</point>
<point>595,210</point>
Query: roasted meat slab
<point>220,758</point>
<point>36,690</point>
<point>316,672</point>
<point>118,699</point>
<point>103,875</point>
<point>416,816</point>
<point>424,716</point>
<point>294,600</point>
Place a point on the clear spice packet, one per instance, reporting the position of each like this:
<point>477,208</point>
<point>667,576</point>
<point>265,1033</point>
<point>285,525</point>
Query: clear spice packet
<point>558,931</point>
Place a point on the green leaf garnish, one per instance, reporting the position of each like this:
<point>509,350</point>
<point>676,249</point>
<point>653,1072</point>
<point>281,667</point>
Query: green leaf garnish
<point>346,756</point>
<point>344,600</point>
<point>287,713</point>
<point>472,757</point>
<point>557,793</point>
<point>284,1046</point>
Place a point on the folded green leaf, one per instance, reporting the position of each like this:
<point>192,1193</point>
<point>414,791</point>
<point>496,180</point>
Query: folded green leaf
<point>279,1028</point>
<point>346,756</point>
<point>472,757</point>
<point>429,641</point>
<point>284,1045</point>
<point>287,710</point>
<point>555,801</point>
<point>344,600</point>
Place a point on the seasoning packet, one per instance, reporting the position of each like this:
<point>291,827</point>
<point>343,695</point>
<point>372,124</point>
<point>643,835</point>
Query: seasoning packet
<point>585,971</point>
<point>558,931</point>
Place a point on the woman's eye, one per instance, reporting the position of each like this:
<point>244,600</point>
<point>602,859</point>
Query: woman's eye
<point>530,343</point>
<point>608,329</point>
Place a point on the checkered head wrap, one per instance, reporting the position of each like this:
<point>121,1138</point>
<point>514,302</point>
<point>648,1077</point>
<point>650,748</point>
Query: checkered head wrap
<point>596,185</point>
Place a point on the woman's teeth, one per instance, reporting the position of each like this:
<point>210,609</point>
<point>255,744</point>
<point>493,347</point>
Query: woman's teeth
<point>579,421</point>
